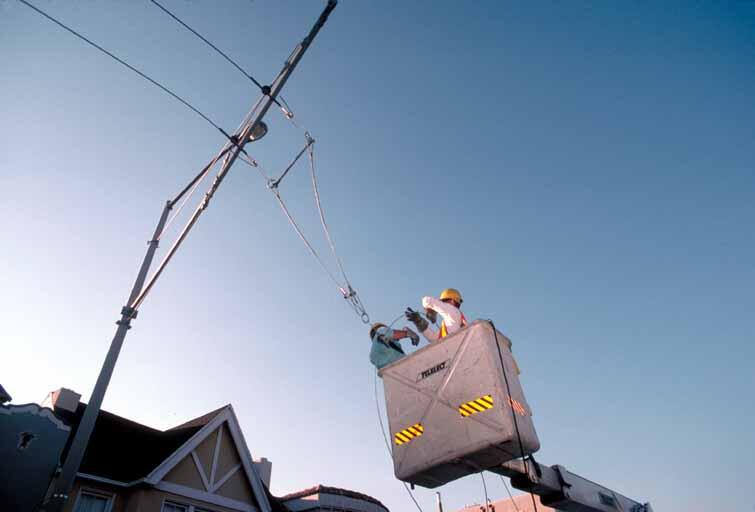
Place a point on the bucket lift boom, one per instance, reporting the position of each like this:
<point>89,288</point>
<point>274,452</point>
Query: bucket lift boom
<point>564,490</point>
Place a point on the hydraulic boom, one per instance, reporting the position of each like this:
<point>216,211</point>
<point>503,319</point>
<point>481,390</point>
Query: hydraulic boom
<point>564,490</point>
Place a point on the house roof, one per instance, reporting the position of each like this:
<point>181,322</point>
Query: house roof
<point>324,489</point>
<point>4,396</point>
<point>123,450</point>
<point>519,503</point>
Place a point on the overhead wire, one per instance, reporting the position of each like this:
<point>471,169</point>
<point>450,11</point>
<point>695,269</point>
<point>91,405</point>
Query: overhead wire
<point>485,490</point>
<point>251,162</point>
<point>513,414</point>
<point>350,294</point>
<point>344,286</point>
<point>346,290</point>
<point>304,239</point>
<point>508,491</point>
<point>263,89</point>
<point>128,66</point>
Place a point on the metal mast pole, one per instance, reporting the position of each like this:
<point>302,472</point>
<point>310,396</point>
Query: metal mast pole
<point>64,482</point>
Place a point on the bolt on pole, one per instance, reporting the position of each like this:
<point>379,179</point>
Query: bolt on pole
<point>64,481</point>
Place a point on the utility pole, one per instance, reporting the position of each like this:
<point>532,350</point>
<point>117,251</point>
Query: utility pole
<point>64,481</point>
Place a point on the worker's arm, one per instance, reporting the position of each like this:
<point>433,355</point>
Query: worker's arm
<point>422,325</point>
<point>400,334</point>
<point>406,333</point>
<point>431,335</point>
<point>449,313</point>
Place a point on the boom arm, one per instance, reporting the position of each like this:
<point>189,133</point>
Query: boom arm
<point>563,490</point>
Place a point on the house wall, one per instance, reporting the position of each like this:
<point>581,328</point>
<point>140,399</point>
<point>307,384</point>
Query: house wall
<point>133,499</point>
<point>151,500</point>
<point>31,440</point>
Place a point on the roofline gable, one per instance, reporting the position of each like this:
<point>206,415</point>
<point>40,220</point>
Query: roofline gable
<point>228,416</point>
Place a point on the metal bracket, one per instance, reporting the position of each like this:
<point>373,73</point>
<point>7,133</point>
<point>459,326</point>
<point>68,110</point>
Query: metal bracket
<point>128,312</point>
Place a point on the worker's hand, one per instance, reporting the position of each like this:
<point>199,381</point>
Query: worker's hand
<point>431,315</point>
<point>415,318</point>
<point>412,336</point>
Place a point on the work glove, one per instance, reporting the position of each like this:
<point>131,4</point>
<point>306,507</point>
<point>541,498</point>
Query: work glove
<point>415,318</point>
<point>431,314</point>
<point>412,336</point>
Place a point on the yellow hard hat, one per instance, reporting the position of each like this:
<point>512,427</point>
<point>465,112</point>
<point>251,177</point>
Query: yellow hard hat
<point>451,293</point>
<point>375,327</point>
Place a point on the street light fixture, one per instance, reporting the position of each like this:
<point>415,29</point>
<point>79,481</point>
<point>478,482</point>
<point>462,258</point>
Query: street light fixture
<point>259,131</point>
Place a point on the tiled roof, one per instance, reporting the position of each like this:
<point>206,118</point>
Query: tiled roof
<point>519,503</point>
<point>324,489</point>
<point>123,450</point>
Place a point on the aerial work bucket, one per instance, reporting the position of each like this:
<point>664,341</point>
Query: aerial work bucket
<point>450,410</point>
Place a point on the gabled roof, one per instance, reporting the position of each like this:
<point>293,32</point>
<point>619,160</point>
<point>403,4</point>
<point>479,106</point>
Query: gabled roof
<point>4,396</point>
<point>127,453</point>
<point>123,450</point>
<point>201,421</point>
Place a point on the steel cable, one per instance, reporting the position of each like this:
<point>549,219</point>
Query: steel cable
<point>311,152</point>
<point>306,242</point>
<point>513,414</point>
<point>485,490</point>
<point>508,491</point>
<point>128,66</point>
<point>264,90</point>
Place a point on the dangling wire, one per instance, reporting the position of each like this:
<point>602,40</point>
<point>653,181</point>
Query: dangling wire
<point>508,491</point>
<point>485,489</point>
<point>304,239</point>
<point>344,286</point>
<point>352,297</point>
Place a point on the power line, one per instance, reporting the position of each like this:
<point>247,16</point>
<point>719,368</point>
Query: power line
<point>511,496</point>
<point>485,489</point>
<point>265,90</point>
<point>513,414</point>
<point>127,65</point>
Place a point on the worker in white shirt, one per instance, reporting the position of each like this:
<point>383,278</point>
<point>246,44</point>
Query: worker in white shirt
<point>447,307</point>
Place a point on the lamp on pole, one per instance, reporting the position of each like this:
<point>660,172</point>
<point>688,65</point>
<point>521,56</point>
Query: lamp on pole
<point>252,130</point>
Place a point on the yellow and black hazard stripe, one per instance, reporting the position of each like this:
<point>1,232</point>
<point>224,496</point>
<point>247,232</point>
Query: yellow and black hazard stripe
<point>409,433</point>
<point>481,404</point>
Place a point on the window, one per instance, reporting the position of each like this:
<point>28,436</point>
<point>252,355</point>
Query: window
<point>174,507</point>
<point>169,506</point>
<point>90,501</point>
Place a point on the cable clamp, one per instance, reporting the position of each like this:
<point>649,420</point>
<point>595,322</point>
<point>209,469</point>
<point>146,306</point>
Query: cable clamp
<point>129,312</point>
<point>265,90</point>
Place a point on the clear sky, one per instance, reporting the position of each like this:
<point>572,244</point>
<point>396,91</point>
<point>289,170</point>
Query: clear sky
<point>583,172</point>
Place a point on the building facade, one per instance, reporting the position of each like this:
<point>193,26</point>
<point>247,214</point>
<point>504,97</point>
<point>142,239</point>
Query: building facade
<point>203,465</point>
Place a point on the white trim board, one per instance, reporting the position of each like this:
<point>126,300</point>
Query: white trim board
<point>206,497</point>
<point>227,416</point>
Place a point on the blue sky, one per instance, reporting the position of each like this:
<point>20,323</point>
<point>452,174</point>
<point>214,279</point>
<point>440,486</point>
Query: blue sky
<point>583,172</point>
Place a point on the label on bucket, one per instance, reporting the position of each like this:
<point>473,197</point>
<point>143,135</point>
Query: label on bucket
<point>432,370</point>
